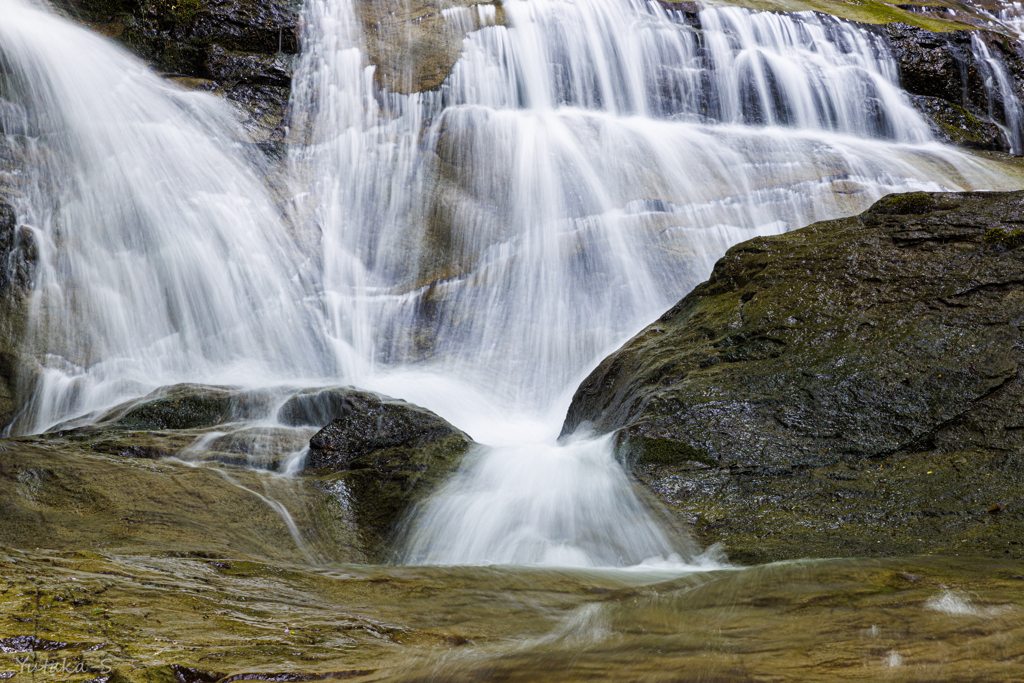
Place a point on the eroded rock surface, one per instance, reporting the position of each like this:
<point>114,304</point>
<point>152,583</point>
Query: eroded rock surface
<point>160,471</point>
<point>852,387</point>
<point>214,618</point>
<point>63,492</point>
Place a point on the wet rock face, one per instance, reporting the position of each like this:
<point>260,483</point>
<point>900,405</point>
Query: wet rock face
<point>935,64</point>
<point>947,84</point>
<point>952,124</point>
<point>244,50</point>
<point>182,407</point>
<point>367,423</point>
<point>415,44</point>
<point>890,340</point>
<point>239,49</point>
<point>62,492</point>
<point>374,460</point>
<point>387,455</point>
<point>17,264</point>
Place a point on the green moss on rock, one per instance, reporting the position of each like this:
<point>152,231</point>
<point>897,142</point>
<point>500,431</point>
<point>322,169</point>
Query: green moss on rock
<point>652,452</point>
<point>383,456</point>
<point>182,407</point>
<point>895,343</point>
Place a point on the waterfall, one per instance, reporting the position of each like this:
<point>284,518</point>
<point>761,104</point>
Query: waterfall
<point>1003,104</point>
<point>582,169</point>
<point>161,256</point>
<point>577,173</point>
<point>478,248</point>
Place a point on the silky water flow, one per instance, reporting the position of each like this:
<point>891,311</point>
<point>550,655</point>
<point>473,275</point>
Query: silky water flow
<point>476,249</point>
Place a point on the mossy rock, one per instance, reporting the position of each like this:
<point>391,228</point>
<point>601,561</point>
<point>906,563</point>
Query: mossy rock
<point>183,406</point>
<point>814,358</point>
<point>645,451</point>
<point>952,124</point>
<point>934,16</point>
<point>64,492</point>
<point>383,456</point>
<point>368,423</point>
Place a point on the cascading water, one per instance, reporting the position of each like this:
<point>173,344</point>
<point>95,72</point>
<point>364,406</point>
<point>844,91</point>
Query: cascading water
<point>161,257</point>
<point>481,246</point>
<point>576,177</point>
<point>581,169</point>
<point>1003,103</point>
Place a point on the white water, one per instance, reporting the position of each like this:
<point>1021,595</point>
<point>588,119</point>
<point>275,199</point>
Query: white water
<point>162,259</point>
<point>1003,104</point>
<point>479,248</point>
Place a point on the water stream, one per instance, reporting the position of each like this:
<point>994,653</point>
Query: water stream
<point>475,249</point>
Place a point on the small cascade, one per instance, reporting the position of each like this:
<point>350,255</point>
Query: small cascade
<point>1004,106</point>
<point>541,503</point>
<point>1011,15</point>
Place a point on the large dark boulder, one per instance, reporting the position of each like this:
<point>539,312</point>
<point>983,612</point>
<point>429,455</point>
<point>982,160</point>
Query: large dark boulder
<point>368,423</point>
<point>852,387</point>
<point>386,456</point>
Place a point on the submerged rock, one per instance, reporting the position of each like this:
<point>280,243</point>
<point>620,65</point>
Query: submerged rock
<point>852,387</point>
<point>386,456</point>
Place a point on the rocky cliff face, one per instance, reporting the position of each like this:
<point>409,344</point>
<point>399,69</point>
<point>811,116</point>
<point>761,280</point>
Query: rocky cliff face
<point>851,387</point>
<point>243,50</point>
<point>239,49</point>
<point>17,264</point>
<point>956,89</point>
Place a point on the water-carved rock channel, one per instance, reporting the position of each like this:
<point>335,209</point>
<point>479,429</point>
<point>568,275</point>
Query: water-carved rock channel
<point>524,340</point>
